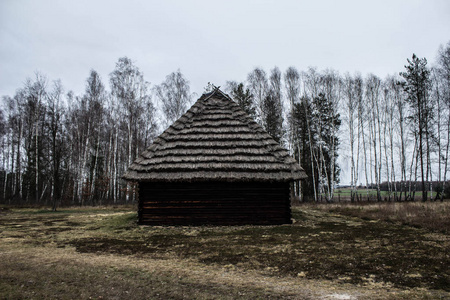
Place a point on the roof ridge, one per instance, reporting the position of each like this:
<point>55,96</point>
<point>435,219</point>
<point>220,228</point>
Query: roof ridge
<point>215,92</point>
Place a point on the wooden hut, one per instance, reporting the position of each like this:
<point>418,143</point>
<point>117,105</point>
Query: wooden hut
<point>214,165</point>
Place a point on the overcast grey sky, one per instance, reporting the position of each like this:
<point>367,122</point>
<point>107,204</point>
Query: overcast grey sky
<point>212,41</point>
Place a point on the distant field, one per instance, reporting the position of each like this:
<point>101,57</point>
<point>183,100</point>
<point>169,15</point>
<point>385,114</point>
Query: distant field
<point>346,192</point>
<point>328,253</point>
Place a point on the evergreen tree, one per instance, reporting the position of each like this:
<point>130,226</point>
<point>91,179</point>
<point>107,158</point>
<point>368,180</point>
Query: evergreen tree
<point>304,139</point>
<point>417,85</point>
<point>244,98</point>
<point>327,122</point>
<point>273,116</point>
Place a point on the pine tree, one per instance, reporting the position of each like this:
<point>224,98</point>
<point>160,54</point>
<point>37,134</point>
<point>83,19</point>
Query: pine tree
<point>327,122</point>
<point>305,140</point>
<point>417,85</point>
<point>244,98</point>
<point>273,116</point>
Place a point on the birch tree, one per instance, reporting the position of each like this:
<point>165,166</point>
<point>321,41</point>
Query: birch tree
<point>443,84</point>
<point>35,93</point>
<point>174,96</point>
<point>95,96</point>
<point>373,85</point>
<point>54,124</point>
<point>358,90</point>
<point>259,87</point>
<point>351,121</point>
<point>130,89</point>
<point>292,91</point>
<point>4,151</point>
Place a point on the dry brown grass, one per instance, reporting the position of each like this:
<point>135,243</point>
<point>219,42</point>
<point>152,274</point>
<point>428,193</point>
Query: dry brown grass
<point>434,216</point>
<point>103,254</point>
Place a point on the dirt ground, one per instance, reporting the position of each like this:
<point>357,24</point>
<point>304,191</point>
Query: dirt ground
<point>102,254</point>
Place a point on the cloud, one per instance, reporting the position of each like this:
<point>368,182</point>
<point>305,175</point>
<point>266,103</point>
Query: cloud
<point>211,41</point>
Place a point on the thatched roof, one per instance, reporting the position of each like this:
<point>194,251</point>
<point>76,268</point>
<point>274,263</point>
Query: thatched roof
<point>215,140</point>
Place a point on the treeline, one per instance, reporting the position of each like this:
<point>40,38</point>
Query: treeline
<point>395,129</point>
<point>301,111</point>
<point>62,148</point>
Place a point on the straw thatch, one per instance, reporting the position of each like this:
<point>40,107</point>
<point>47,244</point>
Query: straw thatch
<point>215,140</point>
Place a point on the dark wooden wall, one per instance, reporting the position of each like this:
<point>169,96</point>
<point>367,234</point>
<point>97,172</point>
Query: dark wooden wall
<point>219,203</point>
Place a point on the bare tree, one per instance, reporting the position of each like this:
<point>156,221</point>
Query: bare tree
<point>388,135</point>
<point>35,91</point>
<point>95,96</point>
<point>16,121</point>
<point>5,148</point>
<point>351,118</point>
<point>275,85</point>
<point>373,85</point>
<point>292,88</point>
<point>332,87</point>
<point>259,87</point>
<point>363,117</point>
<point>311,82</point>
<point>443,90</point>
<point>55,112</point>
<point>130,89</point>
<point>393,90</point>
<point>174,95</point>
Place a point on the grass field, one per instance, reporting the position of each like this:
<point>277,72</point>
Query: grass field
<point>345,193</point>
<point>433,216</point>
<point>85,253</point>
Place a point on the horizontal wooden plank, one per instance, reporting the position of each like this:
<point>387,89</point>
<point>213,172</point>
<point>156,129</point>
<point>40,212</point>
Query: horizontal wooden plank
<point>240,206</point>
<point>208,221</point>
<point>214,203</point>
<point>213,213</point>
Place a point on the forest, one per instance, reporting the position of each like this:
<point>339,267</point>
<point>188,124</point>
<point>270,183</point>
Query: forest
<point>392,133</point>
